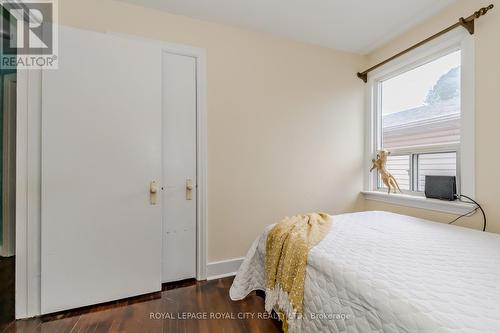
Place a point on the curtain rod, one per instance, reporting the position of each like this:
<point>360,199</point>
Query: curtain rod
<point>467,23</point>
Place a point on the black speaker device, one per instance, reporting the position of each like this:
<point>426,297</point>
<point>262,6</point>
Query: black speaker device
<point>441,187</point>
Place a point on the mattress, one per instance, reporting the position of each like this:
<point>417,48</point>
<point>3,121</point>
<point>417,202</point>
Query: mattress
<point>384,272</point>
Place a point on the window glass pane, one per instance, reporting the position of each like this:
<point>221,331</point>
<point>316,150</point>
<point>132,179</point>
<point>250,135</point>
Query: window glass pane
<point>399,167</point>
<point>438,164</point>
<point>421,107</point>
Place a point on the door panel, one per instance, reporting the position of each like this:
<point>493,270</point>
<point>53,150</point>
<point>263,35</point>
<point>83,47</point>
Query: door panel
<point>8,210</point>
<point>179,165</point>
<point>101,147</point>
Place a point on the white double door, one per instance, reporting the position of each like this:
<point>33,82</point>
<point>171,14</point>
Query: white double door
<point>117,115</point>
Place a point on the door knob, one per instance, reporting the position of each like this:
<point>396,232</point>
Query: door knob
<point>189,189</point>
<point>153,192</point>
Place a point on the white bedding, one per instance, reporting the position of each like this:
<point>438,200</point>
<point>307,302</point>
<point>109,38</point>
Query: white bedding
<point>383,272</point>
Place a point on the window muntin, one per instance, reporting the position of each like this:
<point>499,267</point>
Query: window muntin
<point>419,112</point>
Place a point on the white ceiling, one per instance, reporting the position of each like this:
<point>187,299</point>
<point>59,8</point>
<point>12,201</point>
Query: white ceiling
<point>357,26</point>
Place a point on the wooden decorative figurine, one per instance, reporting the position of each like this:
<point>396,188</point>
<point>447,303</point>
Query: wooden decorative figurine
<point>387,178</point>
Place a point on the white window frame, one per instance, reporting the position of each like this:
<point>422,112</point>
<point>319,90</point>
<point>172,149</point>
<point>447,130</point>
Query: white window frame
<point>455,40</point>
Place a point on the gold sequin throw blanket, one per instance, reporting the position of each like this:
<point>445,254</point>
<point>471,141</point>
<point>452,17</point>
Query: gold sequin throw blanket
<point>287,249</point>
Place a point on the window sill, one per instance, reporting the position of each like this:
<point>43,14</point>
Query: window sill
<point>450,207</point>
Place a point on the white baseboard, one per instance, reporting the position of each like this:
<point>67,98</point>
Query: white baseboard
<point>224,268</point>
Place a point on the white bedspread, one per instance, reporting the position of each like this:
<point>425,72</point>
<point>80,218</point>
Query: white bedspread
<point>383,272</point>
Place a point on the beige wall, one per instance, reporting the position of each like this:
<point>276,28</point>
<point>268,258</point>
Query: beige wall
<point>487,67</point>
<point>285,120</point>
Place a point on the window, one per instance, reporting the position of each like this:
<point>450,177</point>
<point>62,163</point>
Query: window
<point>420,121</point>
<point>422,112</point>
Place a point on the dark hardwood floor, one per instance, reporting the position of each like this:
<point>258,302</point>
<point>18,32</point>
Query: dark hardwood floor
<point>7,271</point>
<point>171,310</point>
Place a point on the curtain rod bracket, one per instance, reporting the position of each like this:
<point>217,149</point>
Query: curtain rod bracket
<point>363,76</point>
<point>467,23</point>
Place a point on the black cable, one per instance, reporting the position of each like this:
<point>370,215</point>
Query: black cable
<point>468,214</point>
<point>472,211</point>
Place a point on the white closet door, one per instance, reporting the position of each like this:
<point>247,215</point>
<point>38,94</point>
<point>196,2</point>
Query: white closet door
<point>101,147</point>
<point>179,167</point>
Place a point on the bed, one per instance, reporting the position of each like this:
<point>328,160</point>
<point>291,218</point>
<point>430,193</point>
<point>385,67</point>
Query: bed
<point>384,272</point>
